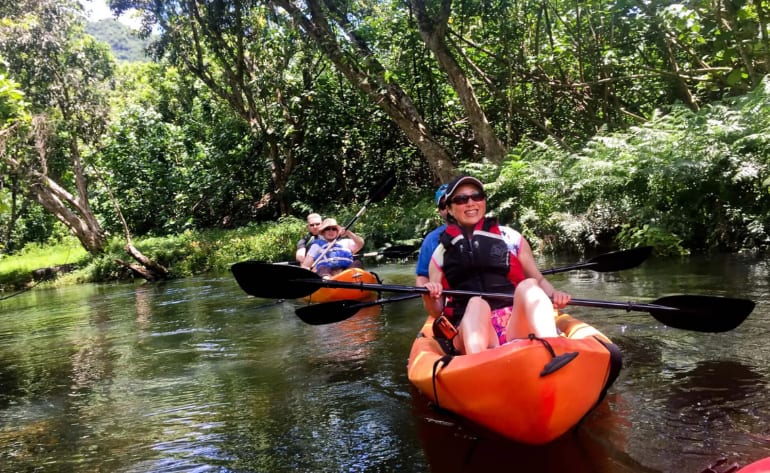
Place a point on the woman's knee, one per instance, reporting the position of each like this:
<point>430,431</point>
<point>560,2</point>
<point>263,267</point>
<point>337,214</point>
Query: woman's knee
<point>477,304</point>
<point>526,285</point>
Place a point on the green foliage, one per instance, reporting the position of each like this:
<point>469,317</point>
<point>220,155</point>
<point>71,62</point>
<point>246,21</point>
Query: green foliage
<point>664,242</point>
<point>65,75</point>
<point>686,180</point>
<point>404,219</point>
<point>205,143</point>
<point>16,270</point>
<point>12,104</point>
<point>185,254</point>
<point>187,153</point>
<point>141,153</point>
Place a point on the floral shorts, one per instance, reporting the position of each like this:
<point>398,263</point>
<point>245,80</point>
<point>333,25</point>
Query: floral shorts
<point>499,319</point>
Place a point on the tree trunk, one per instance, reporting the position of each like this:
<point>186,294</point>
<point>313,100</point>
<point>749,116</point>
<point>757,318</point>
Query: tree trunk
<point>433,33</point>
<point>366,74</point>
<point>73,211</point>
<point>149,269</point>
<point>66,208</point>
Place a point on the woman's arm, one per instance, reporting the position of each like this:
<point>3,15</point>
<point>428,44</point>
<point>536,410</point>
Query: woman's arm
<point>433,301</point>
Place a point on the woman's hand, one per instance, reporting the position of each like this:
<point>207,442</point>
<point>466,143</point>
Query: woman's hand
<point>434,289</point>
<point>560,299</point>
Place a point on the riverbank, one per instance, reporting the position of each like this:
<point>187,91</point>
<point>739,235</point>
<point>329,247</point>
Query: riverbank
<point>196,252</point>
<point>186,254</point>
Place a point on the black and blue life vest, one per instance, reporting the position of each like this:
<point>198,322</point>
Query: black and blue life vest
<point>479,262</point>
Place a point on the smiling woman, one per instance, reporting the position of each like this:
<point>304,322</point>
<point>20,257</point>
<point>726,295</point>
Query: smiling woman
<point>476,252</point>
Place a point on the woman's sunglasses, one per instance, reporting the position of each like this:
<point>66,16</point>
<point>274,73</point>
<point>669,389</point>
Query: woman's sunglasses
<point>463,199</point>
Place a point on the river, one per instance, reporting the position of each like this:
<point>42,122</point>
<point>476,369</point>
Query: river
<point>194,375</point>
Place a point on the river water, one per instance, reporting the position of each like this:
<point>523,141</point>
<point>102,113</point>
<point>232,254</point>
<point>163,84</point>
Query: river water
<point>194,375</point>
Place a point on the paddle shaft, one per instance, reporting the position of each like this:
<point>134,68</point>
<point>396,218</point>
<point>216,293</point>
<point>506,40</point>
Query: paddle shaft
<point>609,262</point>
<point>364,255</point>
<point>699,313</point>
<point>265,280</point>
<point>378,194</point>
<point>490,295</point>
<point>329,283</point>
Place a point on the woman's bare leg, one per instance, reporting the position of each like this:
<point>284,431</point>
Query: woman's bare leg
<point>476,331</point>
<point>532,312</point>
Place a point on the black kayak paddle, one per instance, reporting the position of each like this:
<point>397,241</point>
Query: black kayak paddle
<point>377,194</point>
<point>689,312</point>
<point>262,280</point>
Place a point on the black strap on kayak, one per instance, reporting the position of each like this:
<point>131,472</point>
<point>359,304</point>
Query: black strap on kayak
<point>558,361</point>
<point>447,346</point>
<point>440,363</point>
<point>616,364</point>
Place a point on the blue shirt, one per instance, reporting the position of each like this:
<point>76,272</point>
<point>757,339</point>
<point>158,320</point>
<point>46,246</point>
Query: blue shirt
<point>427,248</point>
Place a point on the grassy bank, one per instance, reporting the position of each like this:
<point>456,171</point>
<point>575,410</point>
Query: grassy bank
<point>199,252</point>
<point>186,254</point>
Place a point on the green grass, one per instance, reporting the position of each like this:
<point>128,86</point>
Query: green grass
<point>16,270</point>
<point>210,251</point>
<point>184,255</point>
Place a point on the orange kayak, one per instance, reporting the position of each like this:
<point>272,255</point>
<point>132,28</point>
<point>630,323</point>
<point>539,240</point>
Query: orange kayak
<point>759,466</point>
<point>522,390</point>
<point>354,275</point>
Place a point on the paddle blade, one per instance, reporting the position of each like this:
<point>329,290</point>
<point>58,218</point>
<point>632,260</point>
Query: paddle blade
<point>398,251</point>
<point>274,281</point>
<point>337,311</point>
<point>620,260</point>
<point>609,262</point>
<point>383,189</point>
<point>330,312</point>
<point>702,313</point>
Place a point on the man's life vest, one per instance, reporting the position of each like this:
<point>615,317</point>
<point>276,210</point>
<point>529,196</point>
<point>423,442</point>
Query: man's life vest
<point>338,257</point>
<point>309,240</point>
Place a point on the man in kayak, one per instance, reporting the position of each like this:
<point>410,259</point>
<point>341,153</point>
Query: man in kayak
<point>477,254</point>
<point>313,227</point>
<point>430,242</point>
<point>336,252</point>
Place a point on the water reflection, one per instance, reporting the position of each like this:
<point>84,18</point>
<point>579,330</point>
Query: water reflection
<point>349,342</point>
<point>726,385</point>
<point>712,400</point>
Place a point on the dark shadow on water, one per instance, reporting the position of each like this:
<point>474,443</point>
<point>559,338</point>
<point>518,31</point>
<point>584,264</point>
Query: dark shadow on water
<point>715,402</point>
<point>724,383</point>
<point>10,383</point>
<point>452,445</point>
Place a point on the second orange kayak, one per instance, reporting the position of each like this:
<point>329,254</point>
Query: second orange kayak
<point>352,275</point>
